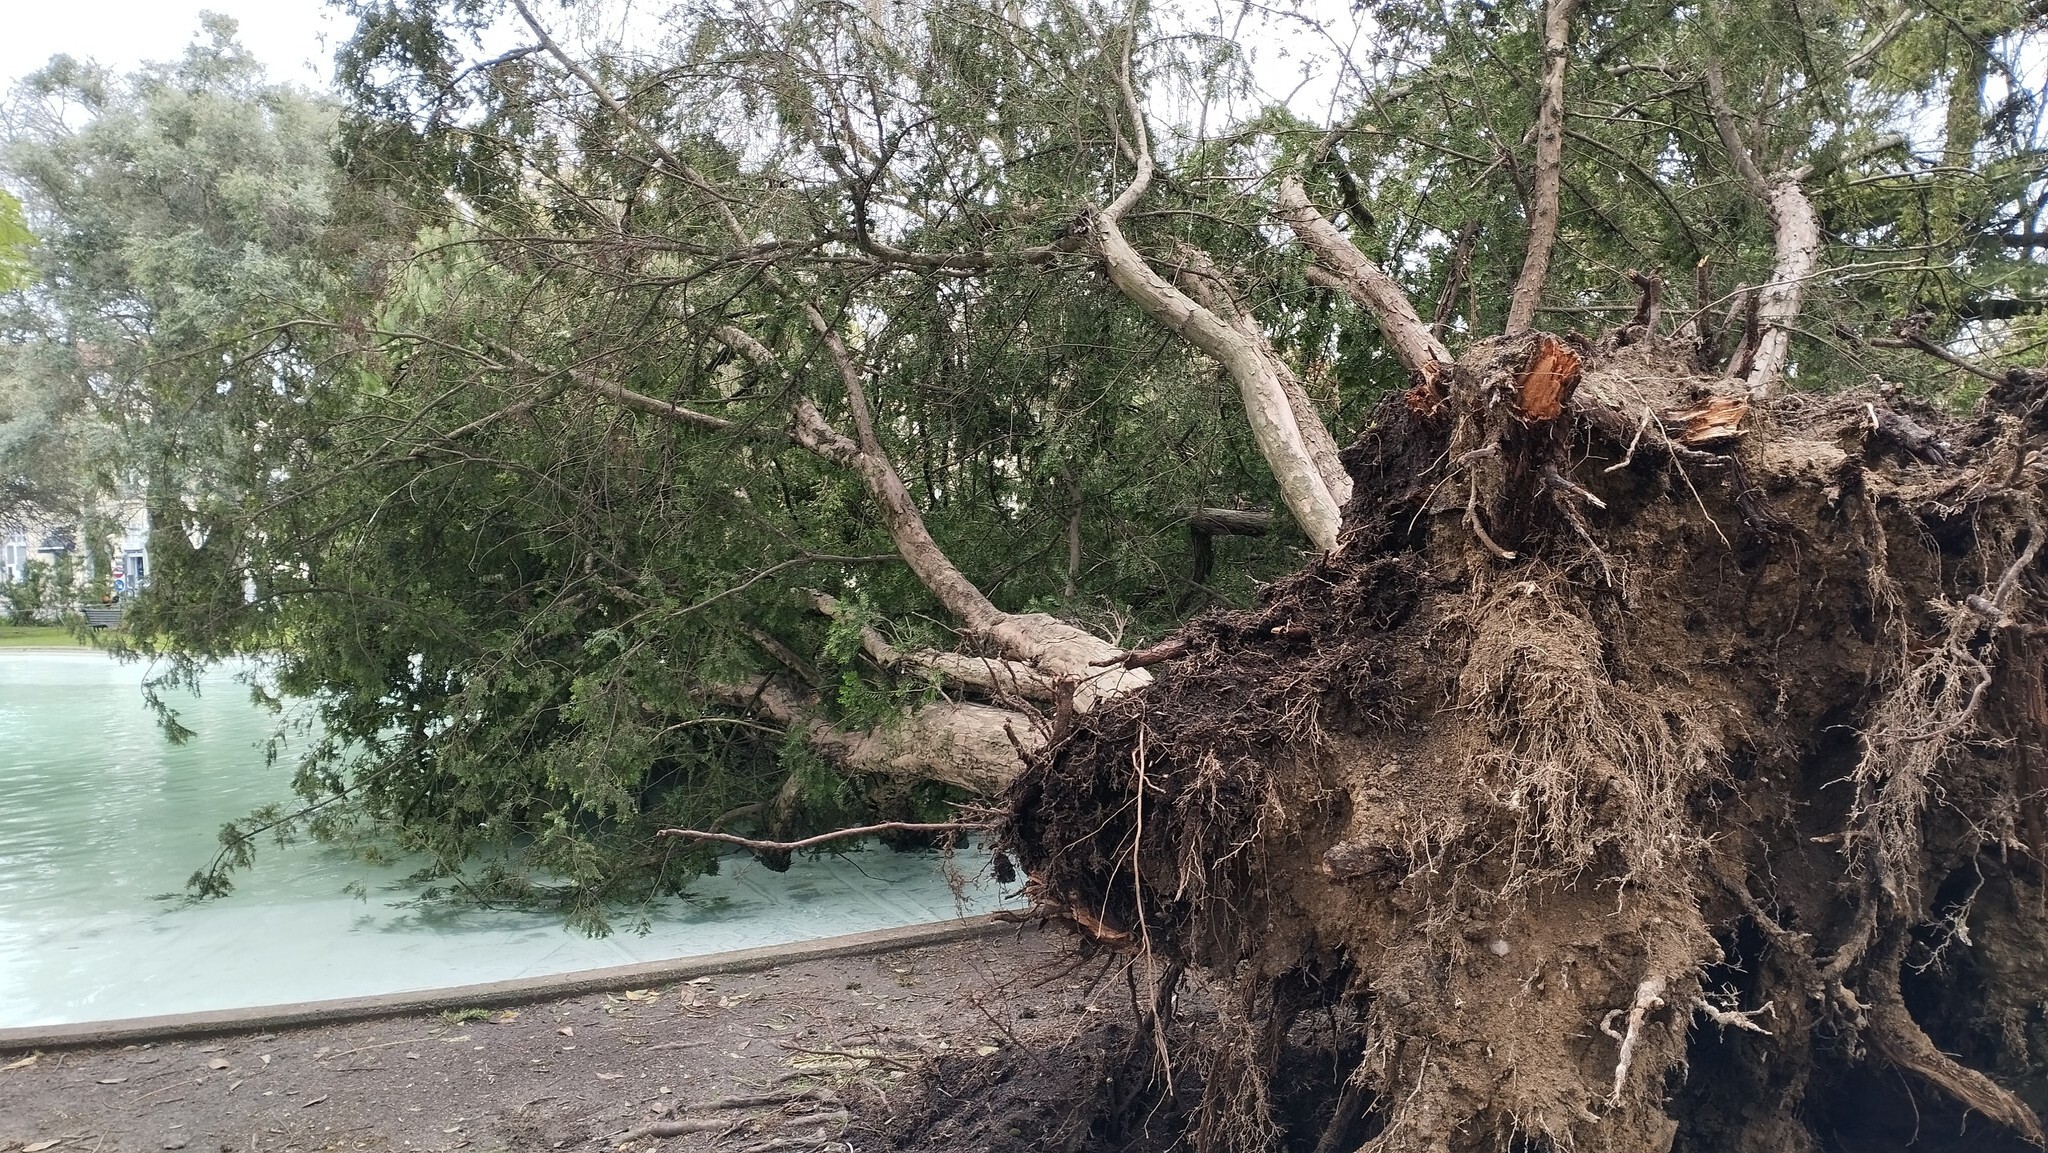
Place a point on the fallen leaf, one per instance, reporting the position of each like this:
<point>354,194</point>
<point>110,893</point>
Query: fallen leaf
<point>987,1050</point>
<point>24,1063</point>
<point>217,1063</point>
<point>314,1101</point>
<point>39,1146</point>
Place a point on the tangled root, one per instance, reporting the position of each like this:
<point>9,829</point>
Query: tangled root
<point>1603,790</point>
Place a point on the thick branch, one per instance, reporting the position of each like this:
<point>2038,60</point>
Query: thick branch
<point>1365,282</point>
<point>1230,521</point>
<point>824,838</point>
<point>1251,364</point>
<point>1055,647</point>
<point>1272,419</point>
<point>1549,163</point>
<point>1202,281</point>
<point>992,675</point>
<point>978,748</point>
<point>1796,236</point>
<point>1797,231</point>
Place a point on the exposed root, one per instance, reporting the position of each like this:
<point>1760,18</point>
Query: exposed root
<point>1649,999</point>
<point>1735,1018</point>
<point>1899,1039</point>
<point>1446,796</point>
<point>798,1107</point>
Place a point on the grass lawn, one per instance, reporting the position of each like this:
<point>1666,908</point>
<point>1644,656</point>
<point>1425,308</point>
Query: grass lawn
<point>37,637</point>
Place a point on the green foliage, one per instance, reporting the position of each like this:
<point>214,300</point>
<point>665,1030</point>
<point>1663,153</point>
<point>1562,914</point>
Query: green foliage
<point>15,242</point>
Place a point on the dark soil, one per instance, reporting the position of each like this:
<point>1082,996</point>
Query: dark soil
<point>838,1036</point>
<point>1602,791</point>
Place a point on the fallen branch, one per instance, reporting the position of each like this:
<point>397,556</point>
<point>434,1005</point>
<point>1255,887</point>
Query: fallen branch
<point>1159,653</point>
<point>825,838</point>
<point>1919,343</point>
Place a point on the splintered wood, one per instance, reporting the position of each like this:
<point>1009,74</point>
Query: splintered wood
<point>1547,384</point>
<point>1713,422</point>
<point>1426,398</point>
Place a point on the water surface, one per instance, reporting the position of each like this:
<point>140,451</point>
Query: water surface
<point>99,815</point>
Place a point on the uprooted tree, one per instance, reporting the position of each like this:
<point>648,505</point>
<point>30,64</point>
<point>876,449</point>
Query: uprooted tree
<point>835,411</point>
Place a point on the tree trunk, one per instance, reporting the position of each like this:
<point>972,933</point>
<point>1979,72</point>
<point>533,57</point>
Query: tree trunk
<point>1543,198</point>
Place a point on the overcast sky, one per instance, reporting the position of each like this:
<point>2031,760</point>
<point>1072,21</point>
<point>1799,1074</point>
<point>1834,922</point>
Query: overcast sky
<point>295,39</point>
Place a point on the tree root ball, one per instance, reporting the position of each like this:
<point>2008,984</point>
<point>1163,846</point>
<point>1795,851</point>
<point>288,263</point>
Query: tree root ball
<point>1602,791</point>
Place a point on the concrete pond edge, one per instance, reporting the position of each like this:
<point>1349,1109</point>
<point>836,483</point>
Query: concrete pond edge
<point>517,991</point>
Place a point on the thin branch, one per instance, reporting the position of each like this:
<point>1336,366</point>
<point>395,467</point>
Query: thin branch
<point>825,838</point>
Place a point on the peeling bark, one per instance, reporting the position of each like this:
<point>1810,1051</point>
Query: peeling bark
<point>1528,291</point>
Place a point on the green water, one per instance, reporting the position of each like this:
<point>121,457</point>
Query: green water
<point>99,815</point>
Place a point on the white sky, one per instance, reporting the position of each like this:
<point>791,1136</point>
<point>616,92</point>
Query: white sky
<point>295,39</point>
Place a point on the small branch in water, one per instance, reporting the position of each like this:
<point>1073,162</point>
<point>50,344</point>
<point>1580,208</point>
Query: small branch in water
<point>824,838</point>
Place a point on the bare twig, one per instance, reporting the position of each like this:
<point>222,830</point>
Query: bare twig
<point>825,838</point>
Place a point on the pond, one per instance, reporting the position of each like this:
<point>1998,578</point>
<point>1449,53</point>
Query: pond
<point>100,816</point>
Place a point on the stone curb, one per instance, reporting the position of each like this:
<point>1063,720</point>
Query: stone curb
<point>513,992</point>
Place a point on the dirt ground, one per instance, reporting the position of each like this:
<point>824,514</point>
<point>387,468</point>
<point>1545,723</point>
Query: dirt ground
<point>819,1054</point>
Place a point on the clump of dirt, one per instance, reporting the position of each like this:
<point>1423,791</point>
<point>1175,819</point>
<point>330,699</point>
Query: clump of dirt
<point>1646,770</point>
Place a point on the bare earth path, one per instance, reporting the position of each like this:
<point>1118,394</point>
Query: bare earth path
<point>775,1059</point>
